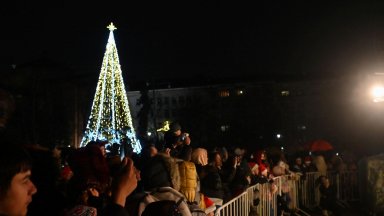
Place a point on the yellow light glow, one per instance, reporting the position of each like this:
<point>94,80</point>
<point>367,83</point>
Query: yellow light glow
<point>377,93</point>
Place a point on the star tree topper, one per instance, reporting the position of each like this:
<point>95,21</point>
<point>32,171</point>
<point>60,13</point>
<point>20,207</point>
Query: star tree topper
<point>111,27</point>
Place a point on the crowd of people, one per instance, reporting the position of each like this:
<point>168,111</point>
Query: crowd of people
<point>177,179</point>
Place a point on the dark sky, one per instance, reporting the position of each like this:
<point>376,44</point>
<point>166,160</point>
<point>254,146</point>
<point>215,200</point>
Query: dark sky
<point>199,40</point>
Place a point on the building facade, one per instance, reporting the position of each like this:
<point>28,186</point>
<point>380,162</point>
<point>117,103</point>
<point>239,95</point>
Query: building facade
<point>246,114</point>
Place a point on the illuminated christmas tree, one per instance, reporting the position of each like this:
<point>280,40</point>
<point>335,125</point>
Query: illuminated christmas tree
<point>110,119</point>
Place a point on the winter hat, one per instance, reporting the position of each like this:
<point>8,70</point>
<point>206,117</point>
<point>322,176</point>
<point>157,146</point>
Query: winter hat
<point>175,127</point>
<point>209,205</point>
<point>257,156</point>
<point>253,166</point>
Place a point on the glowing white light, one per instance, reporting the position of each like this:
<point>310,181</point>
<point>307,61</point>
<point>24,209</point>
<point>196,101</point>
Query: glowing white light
<point>377,93</point>
<point>310,153</point>
<point>282,148</point>
<point>337,154</point>
<point>278,136</point>
<point>149,133</point>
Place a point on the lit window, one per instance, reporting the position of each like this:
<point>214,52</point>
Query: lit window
<point>240,92</point>
<point>224,128</point>
<point>224,93</point>
<point>285,93</point>
<point>301,127</point>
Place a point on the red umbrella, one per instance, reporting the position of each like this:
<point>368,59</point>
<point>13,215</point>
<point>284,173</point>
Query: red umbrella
<point>320,145</point>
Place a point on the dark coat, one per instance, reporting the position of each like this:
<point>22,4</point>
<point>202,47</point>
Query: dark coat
<point>155,174</point>
<point>211,184</point>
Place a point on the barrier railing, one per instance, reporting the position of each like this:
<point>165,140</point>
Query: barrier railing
<point>347,186</point>
<point>239,205</point>
<point>308,190</point>
<point>303,192</point>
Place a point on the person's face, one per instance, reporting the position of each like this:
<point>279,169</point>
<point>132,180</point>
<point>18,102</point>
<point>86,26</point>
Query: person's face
<point>103,151</point>
<point>218,161</point>
<point>225,156</point>
<point>177,133</point>
<point>264,173</point>
<point>153,151</point>
<point>262,156</point>
<point>255,172</point>
<point>325,181</point>
<point>298,161</point>
<point>19,195</point>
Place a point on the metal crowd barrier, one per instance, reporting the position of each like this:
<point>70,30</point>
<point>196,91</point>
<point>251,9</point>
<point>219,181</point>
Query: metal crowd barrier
<point>303,192</point>
<point>309,190</point>
<point>239,205</point>
<point>348,186</point>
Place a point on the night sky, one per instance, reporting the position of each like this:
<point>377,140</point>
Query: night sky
<point>198,41</point>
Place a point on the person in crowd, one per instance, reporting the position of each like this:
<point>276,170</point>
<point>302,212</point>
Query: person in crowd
<point>338,164</point>
<point>46,173</point>
<point>298,165</point>
<point>320,164</point>
<point>254,172</point>
<point>160,170</point>
<point>328,198</point>
<point>260,158</point>
<point>223,153</point>
<point>123,184</point>
<point>148,152</point>
<point>240,174</point>
<point>283,199</point>
<point>176,141</point>
<point>263,174</point>
<point>281,168</point>
<point>100,144</point>
<point>308,166</point>
<point>188,179</point>
<point>211,184</point>
<point>91,178</point>
<point>16,187</point>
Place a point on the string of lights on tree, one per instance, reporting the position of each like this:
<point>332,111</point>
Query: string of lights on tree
<point>110,119</point>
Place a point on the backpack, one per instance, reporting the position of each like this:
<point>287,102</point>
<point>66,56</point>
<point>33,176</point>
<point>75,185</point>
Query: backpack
<point>188,180</point>
<point>162,194</point>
